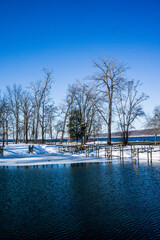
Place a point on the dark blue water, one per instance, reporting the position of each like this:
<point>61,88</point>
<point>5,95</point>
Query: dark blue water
<point>115,139</point>
<point>133,139</point>
<point>80,201</point>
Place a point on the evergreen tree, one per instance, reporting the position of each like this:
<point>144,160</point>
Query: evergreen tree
<point>76,128</point>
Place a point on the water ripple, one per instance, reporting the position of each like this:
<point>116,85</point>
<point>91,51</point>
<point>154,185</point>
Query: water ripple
<point>84,201</point>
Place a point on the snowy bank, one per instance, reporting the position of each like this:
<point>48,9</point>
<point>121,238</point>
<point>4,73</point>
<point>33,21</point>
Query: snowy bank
<point>18,155</point>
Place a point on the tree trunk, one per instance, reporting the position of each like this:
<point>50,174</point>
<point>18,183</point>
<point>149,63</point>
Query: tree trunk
<point>155,136</point>
<point>126,137</point>
<point>26,130</point>
<point>33,130</point>
<point>42,133</point>
<point>123,137</point>
<point>56,139</point>
<point>43,127</point>
<point>13,133</point>
<point>109,123</point>
<point>64,125</point>
<point>51,135</point>
<point>17,126</point>
<point>36,130</point>
<point>6,132</point>
<point>24,126</point>
<point>3,136</point>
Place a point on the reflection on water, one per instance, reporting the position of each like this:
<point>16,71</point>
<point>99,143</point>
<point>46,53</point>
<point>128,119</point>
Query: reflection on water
<point>86,200</point>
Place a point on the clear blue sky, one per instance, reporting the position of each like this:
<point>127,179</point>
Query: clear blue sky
<point>66,36</point>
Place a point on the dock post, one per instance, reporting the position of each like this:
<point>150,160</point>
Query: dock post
<point>110,152</point>
<point>138,154</point>
<point>98,150</point>
<point>147,154</point>
<point>122,153</point>
<point>151,155</point>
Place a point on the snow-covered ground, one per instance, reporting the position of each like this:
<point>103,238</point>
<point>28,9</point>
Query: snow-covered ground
<point>18,155</point>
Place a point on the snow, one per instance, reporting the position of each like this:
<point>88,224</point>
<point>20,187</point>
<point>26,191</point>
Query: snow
<point>18,155</point>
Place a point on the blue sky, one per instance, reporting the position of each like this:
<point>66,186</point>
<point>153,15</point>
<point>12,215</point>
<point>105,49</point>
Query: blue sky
<point>66,36</point>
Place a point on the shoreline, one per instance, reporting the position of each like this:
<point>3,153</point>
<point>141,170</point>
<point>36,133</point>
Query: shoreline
<point>78,161</point>
<point>18,155</point>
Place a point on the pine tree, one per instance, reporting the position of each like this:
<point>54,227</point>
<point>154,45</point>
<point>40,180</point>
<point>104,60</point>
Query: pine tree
<point>76,128</point>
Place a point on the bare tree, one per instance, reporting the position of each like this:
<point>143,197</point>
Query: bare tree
<point>108,78</point>
<point>47,117</point>
<point>43,117</point>
<point>67,106</point>
<point>128,106</point>
<point>153,122</point>
<point>58,128</point>
<point>85,103</point>
<point>13,101</point>
<point>51,115</point>
<point>26,105</point>
<point>2,119</point>
<point>6,119</point>
<point>40,89</point>
<point>82,113</point>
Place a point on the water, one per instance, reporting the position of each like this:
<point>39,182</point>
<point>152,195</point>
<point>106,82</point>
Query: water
<point>133,139</point>
<point>80,201</point>
<point>114,139</point>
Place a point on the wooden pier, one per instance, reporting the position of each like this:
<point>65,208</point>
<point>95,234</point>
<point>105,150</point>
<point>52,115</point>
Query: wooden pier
<point>116,150</point>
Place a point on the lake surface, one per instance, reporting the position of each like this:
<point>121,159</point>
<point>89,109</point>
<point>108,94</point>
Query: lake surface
<point>114,139</point>
<point>80,201</point>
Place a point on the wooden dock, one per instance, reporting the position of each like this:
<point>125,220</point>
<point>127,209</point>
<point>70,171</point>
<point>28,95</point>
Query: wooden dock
<point>113,151</point>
